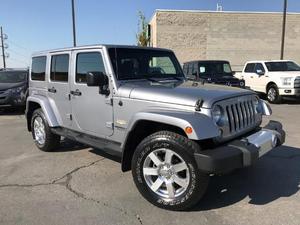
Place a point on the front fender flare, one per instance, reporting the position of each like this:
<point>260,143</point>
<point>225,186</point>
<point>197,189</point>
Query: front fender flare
<point>202,125</point>
<point>46,107</point>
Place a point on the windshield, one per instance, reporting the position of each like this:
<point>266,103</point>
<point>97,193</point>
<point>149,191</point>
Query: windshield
<point>214,69</point>
<point>131,63</point>
<point>13,76</point>
<point>282,66</point>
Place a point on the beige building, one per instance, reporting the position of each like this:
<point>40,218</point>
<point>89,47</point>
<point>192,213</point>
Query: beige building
<point>234,36</point>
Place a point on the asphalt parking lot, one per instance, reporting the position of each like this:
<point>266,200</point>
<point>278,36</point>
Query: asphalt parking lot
<point>80,185</point>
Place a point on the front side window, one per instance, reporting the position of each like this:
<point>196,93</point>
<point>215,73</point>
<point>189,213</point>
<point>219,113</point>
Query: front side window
<point>131,63</point>
<point>259,67</point>
<point>38,68</point>
<point>59,68</point>
<point>185,69</point>
<point>13,76</point>
<point>88,62</point>
<point>282,66</point>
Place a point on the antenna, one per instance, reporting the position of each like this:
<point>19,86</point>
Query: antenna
<point>219,7</point>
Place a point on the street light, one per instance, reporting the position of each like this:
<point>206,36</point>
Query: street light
<point>283,29</point>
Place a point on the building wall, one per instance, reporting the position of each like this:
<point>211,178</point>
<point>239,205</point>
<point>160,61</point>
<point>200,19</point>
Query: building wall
<point>234,36</point>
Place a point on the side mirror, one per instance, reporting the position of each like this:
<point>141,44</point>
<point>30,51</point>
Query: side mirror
<point>98,79</point>
<point>260,72</point>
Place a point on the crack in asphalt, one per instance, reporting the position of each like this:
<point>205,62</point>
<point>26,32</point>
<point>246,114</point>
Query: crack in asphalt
<point>66,183</point>
<point>55,180</point>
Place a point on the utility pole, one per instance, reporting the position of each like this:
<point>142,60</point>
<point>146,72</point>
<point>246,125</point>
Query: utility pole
<point>283,29</point>
<point>2,45</point>
<point>74,25</point>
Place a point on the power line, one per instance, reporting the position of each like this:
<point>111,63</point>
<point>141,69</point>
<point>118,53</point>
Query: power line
<point>20,54</point>
<point>18,60</point>
<point>17,45</point>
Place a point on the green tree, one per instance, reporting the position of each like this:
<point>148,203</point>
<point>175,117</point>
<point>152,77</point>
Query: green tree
<point>142,35</point>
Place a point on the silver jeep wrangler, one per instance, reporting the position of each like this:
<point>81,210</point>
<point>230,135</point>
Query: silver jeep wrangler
<point>136,102</point>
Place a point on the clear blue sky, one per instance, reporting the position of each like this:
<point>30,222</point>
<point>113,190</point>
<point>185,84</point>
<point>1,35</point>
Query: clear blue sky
<point>34,25</point>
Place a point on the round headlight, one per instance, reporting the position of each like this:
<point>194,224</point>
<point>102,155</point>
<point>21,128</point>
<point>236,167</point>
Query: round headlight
<point>257,105</point>
<point>217,114</point>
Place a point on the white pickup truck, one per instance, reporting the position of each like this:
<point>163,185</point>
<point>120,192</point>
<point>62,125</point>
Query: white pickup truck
<point>274,78</point>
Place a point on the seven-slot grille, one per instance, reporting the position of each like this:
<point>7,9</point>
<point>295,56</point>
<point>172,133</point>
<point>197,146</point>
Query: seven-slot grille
<point>241,115</point>
<point>297,82</point>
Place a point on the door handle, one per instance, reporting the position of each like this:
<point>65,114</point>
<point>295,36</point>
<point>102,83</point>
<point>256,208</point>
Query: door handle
<point>251,77</point>
<point>76,93</point>
<point>52,90</point>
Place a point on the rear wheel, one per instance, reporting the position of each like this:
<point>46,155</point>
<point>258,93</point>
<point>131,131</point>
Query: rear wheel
<point>166,173</point>
<point>273,94</point>
<point>44,139</point>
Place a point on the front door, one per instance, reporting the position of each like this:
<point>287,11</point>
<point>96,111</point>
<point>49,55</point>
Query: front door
<point>260,79</point>
<point>92,112</point>
<point>59,89</point>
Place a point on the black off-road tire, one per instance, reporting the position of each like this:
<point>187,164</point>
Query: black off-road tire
<point>52,141</point>
<point>185,149</point>
<point>277,99</point>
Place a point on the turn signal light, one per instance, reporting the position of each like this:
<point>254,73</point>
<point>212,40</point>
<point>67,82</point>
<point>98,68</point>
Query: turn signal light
<point>188,130</point>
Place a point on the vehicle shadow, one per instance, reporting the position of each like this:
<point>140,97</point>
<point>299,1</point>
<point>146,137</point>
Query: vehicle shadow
<point>68,145</point>
<point>276,175</point>
<point>291,101</point>
<point>11,111</point>
<point>104,154</point>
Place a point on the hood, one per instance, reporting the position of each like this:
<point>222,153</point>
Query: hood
<point>183,93</point>
<point>5,86</point>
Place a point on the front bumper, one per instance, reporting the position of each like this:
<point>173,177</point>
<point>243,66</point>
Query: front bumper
<point>289,91</point>
<point>241,153</point>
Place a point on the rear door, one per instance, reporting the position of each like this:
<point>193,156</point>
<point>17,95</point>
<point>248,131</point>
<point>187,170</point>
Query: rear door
<point>59,88</point>
<point>92,112</point>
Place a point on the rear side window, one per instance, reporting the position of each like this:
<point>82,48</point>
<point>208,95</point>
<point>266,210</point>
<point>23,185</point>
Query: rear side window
<point>88,62</point>
<point>250,68</point>
<point>38,68</point>
<point>59,68</point>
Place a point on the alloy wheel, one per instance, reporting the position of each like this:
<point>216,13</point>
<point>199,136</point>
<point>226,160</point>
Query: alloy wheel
<point>166,173</point>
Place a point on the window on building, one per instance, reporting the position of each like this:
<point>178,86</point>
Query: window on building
<point>38,68</point>
<point>88,62</point>
<point>250,68</point>
<point>59,68</point>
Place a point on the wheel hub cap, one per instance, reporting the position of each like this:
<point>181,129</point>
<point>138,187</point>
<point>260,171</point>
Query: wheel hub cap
<point>166,171</point>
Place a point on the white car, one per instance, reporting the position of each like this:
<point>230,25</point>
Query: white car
<point>276,78</point>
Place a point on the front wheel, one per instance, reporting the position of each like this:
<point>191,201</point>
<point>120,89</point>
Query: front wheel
<point>166,173</point>
<point>273,94</point>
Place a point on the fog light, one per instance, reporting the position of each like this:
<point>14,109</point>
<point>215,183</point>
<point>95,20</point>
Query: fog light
<point>287,91</point>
